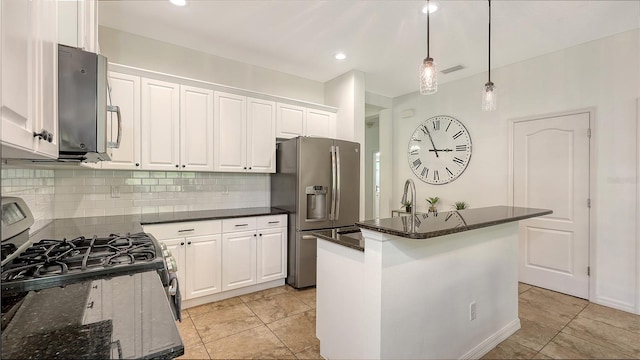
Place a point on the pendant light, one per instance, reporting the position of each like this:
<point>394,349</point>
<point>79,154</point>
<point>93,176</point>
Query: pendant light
<point>428,71</point>
<point>489,94</point>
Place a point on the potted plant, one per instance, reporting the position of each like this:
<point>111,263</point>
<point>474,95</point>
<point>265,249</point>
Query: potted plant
<point>407,205</point>
<point>433,201</point>
<point>460,205</point>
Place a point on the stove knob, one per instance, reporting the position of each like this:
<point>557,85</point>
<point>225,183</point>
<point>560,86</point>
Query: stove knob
<point>171,265</point>
<point>163,246</point>
<point>166,253</point>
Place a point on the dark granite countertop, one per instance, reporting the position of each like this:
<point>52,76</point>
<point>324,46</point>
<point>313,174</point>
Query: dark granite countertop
<point>347,236</point>
<point>449,222</point>
<point>122,317</point>
<point>105,225</point>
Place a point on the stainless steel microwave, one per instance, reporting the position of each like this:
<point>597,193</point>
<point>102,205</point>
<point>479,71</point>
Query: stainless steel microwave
<point>82,106</point>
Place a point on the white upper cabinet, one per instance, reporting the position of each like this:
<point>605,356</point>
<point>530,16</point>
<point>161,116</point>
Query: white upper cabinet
<point>196,129</point>
<point>293,120</point>
<point>29,78</point>
<point>160,125</point>
<point>125,93</point>
<point>244,133</point>
<point>77,24</point>
<point>229,132</point>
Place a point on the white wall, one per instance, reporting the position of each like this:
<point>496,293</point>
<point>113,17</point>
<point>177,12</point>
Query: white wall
<point>601,74</point>
<point>138,51</point>
<point>35,187</point>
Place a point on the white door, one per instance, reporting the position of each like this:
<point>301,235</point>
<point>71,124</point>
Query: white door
<point>160,114</point>
<point>204,265</point>
<point>125,93</point>
<point>177,247</point>
<point>551,171</point>
<point>290,121</point>
<point>239,254</point>
<point>196,129</point>
<point>230,132</point>
<point>261,136</point>
<point>318,123</point>
<point>271,254</point>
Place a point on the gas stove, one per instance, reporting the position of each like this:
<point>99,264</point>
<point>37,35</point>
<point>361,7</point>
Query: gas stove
<point>59,262</point>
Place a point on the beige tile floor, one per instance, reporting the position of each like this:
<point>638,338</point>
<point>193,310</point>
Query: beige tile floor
<point>280,323</point>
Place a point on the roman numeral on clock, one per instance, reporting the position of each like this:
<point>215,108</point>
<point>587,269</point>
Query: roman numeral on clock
<point>458,161</point>
<point>425,172</point>
<point>449,171</point>
<point>447,129</point>
<point>424,129</point>
<point>461,147</point>
<point>417,163</point>
<point>436,125</point>
<point>413,138</point>
<point>436,176</point>
<point>458,134</point>
<point>414,152</point>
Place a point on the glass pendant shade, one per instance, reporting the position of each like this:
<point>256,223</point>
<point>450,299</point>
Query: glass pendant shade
<point>428,77</point>
<point>489,97</point>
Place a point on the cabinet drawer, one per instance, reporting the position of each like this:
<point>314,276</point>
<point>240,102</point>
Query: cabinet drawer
<point>272,221</point>
<point>184,229</point>
<point>238,224</point>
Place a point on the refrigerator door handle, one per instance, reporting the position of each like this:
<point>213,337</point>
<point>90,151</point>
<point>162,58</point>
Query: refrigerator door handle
<point>332,210</point>
<point>337,213</point>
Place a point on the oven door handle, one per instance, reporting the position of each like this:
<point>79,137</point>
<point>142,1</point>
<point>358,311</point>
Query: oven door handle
<point>119,346</point>
<point>173,287</point>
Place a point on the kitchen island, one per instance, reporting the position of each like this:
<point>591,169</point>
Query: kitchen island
<point>433,286</point>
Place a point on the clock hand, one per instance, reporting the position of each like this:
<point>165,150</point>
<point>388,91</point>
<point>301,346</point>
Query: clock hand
<point>431,139</point>
<point>443,150</point>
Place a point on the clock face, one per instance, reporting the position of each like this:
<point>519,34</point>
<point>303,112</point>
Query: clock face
<point>439,150</point>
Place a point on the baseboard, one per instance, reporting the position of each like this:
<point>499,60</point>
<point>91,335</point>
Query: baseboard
<point>231,293</point>
<point>492,341</point>
<point>616,304</point>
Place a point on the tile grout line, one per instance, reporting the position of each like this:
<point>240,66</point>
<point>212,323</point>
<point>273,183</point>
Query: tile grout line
<point>565,325</point>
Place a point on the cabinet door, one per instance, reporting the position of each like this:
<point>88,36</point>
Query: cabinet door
<point>77,25</point>
<point>230,129</point>
<point>46,100</point>
<point>289,121</point>
<point>261,136</point>
<point>18,74</point>
<point>160,114</point>
<point>125,93</point>
<point>272,254</point>
<point>318,123</point>
<point>239,264</point>
<point>178,251</point>
<point>204,265</point>
<point>196,129</point>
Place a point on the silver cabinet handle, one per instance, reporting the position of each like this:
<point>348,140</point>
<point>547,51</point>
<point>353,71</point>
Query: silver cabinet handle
<point>274,222</point>
<point>185,230</point>
<point>238,225</point>
<point>308,237</point>
<point>116,109</point>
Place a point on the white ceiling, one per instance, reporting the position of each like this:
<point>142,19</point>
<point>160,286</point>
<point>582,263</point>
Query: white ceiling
<point>386,39</point>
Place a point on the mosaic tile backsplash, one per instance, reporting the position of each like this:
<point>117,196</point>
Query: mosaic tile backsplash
<point>80,192</point>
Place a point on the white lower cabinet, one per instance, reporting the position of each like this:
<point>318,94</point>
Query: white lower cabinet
<point>239,258</point>
<point>219,255</point>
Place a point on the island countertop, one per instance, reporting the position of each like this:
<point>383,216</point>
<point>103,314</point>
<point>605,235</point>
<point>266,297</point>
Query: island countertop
<point>449,222</point>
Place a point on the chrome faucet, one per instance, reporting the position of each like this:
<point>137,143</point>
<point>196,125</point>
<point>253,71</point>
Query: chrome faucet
<point>408,183</point>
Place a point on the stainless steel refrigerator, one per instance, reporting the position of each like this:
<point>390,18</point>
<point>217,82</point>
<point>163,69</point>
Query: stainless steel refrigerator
<point>318,181</point>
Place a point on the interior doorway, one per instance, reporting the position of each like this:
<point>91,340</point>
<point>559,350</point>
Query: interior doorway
<point>551,170</point>
<point>372,167</point>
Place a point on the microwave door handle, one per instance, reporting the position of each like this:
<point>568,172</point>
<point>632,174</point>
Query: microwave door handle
<point>337,216</point>
<point>116,109</point>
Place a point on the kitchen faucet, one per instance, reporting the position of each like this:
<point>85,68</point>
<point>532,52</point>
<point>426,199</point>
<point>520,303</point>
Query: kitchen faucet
<point>408,183</point>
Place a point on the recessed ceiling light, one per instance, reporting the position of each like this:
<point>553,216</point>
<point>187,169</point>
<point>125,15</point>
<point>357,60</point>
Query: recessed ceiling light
<point>432,8</point>
<point>341,56</point>
<point>179,2</point>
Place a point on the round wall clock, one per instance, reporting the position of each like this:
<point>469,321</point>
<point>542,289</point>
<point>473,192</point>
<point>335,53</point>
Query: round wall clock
<point>439,150</point>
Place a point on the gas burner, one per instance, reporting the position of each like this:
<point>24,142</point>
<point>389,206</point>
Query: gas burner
<point>7,249</point>
<point>52,258</point>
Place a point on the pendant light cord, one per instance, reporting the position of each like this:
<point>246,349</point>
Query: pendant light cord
<point>428,11</point>
<point>489,40</point>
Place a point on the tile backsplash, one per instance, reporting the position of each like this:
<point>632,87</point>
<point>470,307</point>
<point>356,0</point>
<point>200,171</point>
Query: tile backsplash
<point>80,193</point>
<point>65,193</point>
<point>36,187</point>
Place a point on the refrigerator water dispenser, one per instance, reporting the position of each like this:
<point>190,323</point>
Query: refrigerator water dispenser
<point>316,203</point>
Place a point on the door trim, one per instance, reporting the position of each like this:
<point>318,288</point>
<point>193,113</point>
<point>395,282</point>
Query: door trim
<point>592,181</point>
<point>638,206</point>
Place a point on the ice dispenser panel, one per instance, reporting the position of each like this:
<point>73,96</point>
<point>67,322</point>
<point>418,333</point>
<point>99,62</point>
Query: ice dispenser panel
<point>316,203</point>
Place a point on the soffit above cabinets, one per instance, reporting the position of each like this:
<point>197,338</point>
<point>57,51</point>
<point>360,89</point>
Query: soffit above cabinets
<point>385,39</point>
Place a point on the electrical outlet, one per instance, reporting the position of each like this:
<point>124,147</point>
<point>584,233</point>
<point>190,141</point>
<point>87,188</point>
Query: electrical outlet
<point>115,191</point>
<point>472,311</point>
